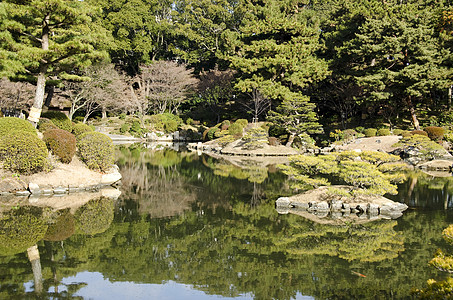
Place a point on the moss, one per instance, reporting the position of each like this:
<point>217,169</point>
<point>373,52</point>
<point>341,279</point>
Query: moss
<point>9,124</point>
<point>95,216</point>
<point>23,152</point>
<point>61,143</point>
<point>96,150</point>
<point>21,229</point>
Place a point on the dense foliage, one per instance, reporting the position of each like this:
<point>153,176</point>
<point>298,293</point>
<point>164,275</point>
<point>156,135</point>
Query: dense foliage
<point>9,124</point>
<point>61,143</point>
<point>96,150</point>
<point>59,119</point>
<point>23,152</point>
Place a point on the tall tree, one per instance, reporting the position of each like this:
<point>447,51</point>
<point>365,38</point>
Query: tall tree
<point>49,38</point>
<point>274,54</point>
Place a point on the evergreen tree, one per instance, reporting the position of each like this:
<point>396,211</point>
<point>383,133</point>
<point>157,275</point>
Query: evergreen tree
<point>274,53</point>
<point>48,38</point>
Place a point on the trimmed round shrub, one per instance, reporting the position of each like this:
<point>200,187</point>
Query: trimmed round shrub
<point>419,132</point>
<point>435,133</point>
<point>23,152</point>
<point>9,124</point>
<point>96,150</point>
<point>398,131</point>
<point>242,122</point>
<point>45,124</point>
<point>59,119</point>
<point>236,129</point>
<point>95,216</point>
<point>383,132</point>
<point>370,132</point>
<point>61,143</point>
<point>79,129</point>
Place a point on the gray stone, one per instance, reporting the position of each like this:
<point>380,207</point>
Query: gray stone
<point>34,188</point>
<point>110,178</point>
<point>283,202</point>
<point>336,205</point>
<point>22,193</point>
<point>47,191</point>
<point>59,190</point>
<point>300,205</point>
<point>322,206</point>
<point>373,209</point>
<point>346,207</point>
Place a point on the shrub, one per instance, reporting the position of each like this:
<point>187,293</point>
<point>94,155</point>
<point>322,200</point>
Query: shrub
<point>80,129</point>
<point>170,126</point>
<point>45,124</point>
<point>96,150</point>
<point>427,149</point>
<point>211,133</point>
<point>236,129</point>
<point>136,129</point>
<point>189,121</point>
<point>273,141</point>
<point>78,119</point>
<point>255,138</point>
<point>165,122</point>
<point>398,131</point>
<point>383,132</point>
<point>419,132</point>
<point>370,132</point>
<point>9,124</point>
<point>360,129</point>
<point>59,119</point>
<point>435,133</point>
<point>349,134</point>
<point>122,116</point>
<point>225,125</point>
<point>95,216</point>
<point>124,128</point>
<point>61,143</point>
<point>23,152</point>
<point>242,122</point>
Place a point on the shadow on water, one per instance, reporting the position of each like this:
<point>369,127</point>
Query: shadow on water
<point>198,223</point>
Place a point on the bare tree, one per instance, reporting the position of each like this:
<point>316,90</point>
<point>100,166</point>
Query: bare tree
<point>17,95</point>
<point>161,86</point>
<point>259,104</point>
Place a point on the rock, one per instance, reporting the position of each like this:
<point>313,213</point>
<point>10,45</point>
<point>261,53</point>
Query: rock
<point>373,209</point>
<point>10,185</point>
<point>300,205</point>
<point>322,206</point>
<point>336,205</point>
<point>59,190</point>
<point>283,202</point>
<point>34,188</point>
<point>111,178</point>
<point>22,193</point>
<point>110,192</point>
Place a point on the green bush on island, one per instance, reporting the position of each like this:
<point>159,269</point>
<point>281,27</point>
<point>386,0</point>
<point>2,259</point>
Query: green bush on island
<point>79,129</point>
<point>255,138</point>
<point>242,122</point>
<point>61,143</point>
<point>349,134</point>
<point>236,129</point>
<point>164,122</point>
<point>383,132</point>
<point>9,124</point>
<point>370,132</point>
<point>20,229</point>
<point>435,133</point>
<point>398,131</point>
<point>96,150</point>
<point>59,119</point>
<point>23,152</point>
<point>427,148</point>
<point>419,132</point>
<point>95,216</point>
<point>45,124</point>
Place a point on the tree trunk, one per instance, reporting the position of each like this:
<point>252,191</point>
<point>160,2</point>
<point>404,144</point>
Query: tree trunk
<point>35,110</point>
<point>413,114</point>
<point>449,97</point>
<point>50,92</point>
<point>33,257</point>
<point>104,113</point>
<point>290,140</point>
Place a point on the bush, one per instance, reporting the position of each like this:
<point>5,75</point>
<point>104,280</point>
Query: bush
<point>170,126</point>
<point>136,129</point>
<point>435,133</point>
<point>165,122</point>
<point>45,124</point>
<point>95,216</point>
<point>419,132</point>
<point>360,129</point>
<point>383,132</point>
<point>242,122</point>
<point>9,124</point>
<point>370,132</point>
<point>122,116</point>
<point>273,141</point>
<point>398,131</point>
<point>23,152</point>
<point>80,129</point>
<point>61,143</point>
<point>59,119</point>
<point>236,129</point>
<point>255,138</point>
<point>124,128</point>
<point>349,134</point>
<point>210,134</point>
<point>189,121</point>
<point>78,119</point>
<point>225,125</point>
<point>96,150</point>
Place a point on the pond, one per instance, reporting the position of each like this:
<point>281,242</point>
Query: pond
<point>190,226</point>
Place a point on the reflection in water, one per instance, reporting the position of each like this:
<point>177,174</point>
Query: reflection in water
<point>220,235</point>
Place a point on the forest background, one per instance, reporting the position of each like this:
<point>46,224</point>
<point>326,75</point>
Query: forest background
<point>303,65</point>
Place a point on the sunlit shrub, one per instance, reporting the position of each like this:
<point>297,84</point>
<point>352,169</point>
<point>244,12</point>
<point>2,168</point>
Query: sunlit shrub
<point>383,132</point>
<point>45,124</point>
<point>23,152</point>
<point>80,129</point>
<point>9,124</point>
<point>236,129</point>
<point>96,150</point>
<point>242,122</point>
<point>435,133</point>
<point>59,119</point>
<point>225,125</point>
<point>419,132</point>
<point>370,132</point>
<point>255,138</point>
<point>61,143</point>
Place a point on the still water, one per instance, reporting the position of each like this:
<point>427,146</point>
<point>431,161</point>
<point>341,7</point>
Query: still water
<point>195,227</point>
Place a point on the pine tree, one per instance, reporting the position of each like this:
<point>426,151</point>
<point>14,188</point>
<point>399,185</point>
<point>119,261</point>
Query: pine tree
<point>48,38</point>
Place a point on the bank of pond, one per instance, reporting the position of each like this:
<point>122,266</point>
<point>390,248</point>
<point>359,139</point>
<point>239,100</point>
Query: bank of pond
<point>196,226</point>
